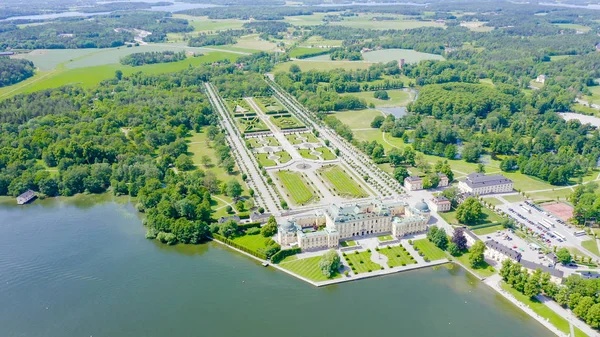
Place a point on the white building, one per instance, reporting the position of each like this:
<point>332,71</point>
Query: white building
<point>440,204</point>
<point>444,181</point>
<point>479,183</point>
<point>413,183</point>
<point>325,229</point>
<point>499,252</point>
<point>541,79</point>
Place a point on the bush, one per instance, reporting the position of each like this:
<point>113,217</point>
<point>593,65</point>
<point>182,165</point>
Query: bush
<point>403,264</point>
<point>151,234</point>
<point>410,242</point>
<point>368,250</point>
<point>369,270</point>
<point>397,255</point>
<point>356,252</point>
<point>346,273</point>
<point>376,249</point>
<point>361,262</point>
<point>282,254</point>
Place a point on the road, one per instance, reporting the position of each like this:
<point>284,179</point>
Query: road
<point>379,181</point>
<point>246,161</point>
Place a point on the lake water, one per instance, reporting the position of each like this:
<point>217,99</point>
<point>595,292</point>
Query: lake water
<point>174,7</point>
<point>83,268</point>
<point>398,112</point>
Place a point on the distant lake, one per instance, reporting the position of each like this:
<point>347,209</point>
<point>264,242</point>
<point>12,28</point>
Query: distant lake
<point>373,4</point>
<point>82,267</point>
<point>175,7</point>
<point>398,112</point>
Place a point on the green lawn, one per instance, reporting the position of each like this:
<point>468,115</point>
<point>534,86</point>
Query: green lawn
<point>349,243</point>
<point>254,242</point>
<point>592,246</point>
<point>358,119</point>
<point>295,186</point>
<point>487,217</point>
<point>301,51</point>
<point>288,122</point>
<point>385,237</point>
<point>317,41</point>
<point>308,268</point>
<point>397,98</point>
<point>342,183</point>
<point>513,198</point>
<point>199,146</point>
<point>429,249</point>
<point>284,157</point>
<point>483,270</point>
<point>269,104</point>
<point>354,260</point>
<point>271,141</point>
<point>397,256</point>
<point>326,153</point>
<point>307,137</point>
<point>494,201</point>
<point>264,161</point>
<point>488,230</point>
<point>539,308</point>
<point>307,154</point>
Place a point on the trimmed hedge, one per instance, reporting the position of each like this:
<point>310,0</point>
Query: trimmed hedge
<point>244,226</point>
<point>483,226</point>
<point>282,254</point>
<point>240,247</point>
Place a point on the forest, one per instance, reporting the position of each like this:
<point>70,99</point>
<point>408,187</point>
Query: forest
<point>14,71</point>
<point>139,59</point>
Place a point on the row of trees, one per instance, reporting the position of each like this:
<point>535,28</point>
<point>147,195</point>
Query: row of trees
<point>14,70</point>
<point>579,295</point>
<point>139,59</point>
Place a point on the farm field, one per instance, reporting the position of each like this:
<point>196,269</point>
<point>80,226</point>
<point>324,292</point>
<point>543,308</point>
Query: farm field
<point>322,65</point>
<point>301,51</point>
<point>305,20</point>
<point>574,26</point>
<point>254,43</point>
<point>409,55</point>
<point>90,76</point>
<point>342,183</point>
<point>316,41</point>
<point>296,187</point>
<point>358,119</point>
<point>204,24</point>
<point>360,262</point>
<point>308,268</point>
<point>397,256</point>
<point>397,98</point>
<point>367,22</point>
<point>429,249</point>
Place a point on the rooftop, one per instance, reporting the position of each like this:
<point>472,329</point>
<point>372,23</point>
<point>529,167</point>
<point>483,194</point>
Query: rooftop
<point>413,178</point>
<point>440,199</point>
<point>546,269</point>
<point>497,246</point>
<point>475,180</point>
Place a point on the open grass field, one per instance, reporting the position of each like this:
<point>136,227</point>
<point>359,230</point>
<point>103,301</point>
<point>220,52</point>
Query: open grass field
<point>366,22</point>
<point>342,183</point>
<point>204,24</point>
<point>301,51</point>
<point>575,26</point>
<point>360,262</point>
<point>284,157</point>
<point>542,310</point>
<point>595,97</point>
<point>483,270</point>
<point>199,146</point>
<point>90,76</point>
<point>254,42</point>
<point>558,57</point>
<point>319,41</point>
<point>586,110</point>
<point>576,252</point>
<point>296,188</point>
<point>591,245</point>
<point>397,256</point>
<point>322,65</point>
<point>492,200</point>
<point>326,153</point>
<point>397,98</point>
<point>289,122</point>
<point>308,268</point>
<point>409,56</point>
<point>429,249</point>
<point>264,161</point>
<point>358,119</point>
<point>305,20</point>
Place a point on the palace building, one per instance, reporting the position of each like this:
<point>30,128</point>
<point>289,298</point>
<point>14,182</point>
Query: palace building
<point>325,228</point>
